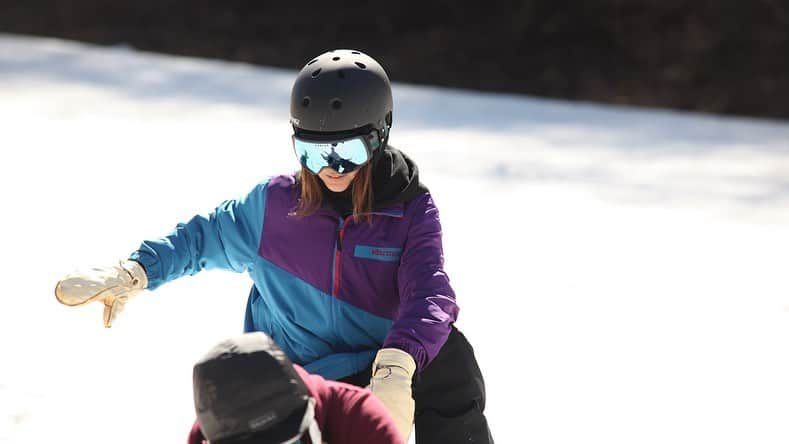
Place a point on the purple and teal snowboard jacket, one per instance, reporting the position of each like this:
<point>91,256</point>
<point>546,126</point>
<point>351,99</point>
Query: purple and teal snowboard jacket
<point>330,291</point>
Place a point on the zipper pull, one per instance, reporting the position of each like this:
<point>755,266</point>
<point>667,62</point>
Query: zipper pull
<point>339,239</point>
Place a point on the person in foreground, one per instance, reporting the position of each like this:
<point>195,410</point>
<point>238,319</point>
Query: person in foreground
<point>247,391</point>
<point>346,257</point>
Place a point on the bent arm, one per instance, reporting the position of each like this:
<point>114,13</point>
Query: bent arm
<point>427,301</point>
<point>227,238</point>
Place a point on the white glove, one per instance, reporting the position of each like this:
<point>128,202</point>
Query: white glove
<point>391,383</point>
<point>113,285</point>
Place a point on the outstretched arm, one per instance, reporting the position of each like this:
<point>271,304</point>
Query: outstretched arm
<point>227,238</point>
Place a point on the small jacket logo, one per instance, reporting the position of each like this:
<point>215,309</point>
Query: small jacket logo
<point>385,254</point>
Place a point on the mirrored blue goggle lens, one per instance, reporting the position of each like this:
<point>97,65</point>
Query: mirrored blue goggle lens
<point>343,156</point>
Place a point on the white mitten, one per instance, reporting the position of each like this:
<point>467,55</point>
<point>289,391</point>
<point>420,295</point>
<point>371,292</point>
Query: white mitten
<point>391,383</point>
<point>112,285</point>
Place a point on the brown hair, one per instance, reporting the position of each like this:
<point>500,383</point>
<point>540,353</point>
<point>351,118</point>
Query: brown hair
<point>361,193</point>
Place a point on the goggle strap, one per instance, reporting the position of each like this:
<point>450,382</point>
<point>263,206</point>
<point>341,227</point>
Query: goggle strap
<point>309,425</point>
<point>315,433</point>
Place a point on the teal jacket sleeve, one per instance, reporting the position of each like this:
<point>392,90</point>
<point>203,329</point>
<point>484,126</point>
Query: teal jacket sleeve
<point>227,238</point>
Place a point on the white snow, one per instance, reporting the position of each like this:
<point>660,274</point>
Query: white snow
<point>621,272</point>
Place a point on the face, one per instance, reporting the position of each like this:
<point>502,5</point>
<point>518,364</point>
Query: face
<point>335,181</point>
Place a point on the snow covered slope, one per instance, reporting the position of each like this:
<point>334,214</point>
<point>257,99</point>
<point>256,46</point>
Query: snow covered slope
<point>621,272</point>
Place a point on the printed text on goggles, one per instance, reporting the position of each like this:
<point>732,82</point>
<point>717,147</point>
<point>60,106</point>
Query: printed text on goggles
<point>343,156</point>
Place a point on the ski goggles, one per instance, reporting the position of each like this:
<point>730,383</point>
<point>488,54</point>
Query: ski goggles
<point>343,155</point>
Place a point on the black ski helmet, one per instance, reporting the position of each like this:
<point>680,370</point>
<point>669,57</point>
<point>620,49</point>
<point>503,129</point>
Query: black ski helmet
<point>246,387</point>
<point>341,91</point>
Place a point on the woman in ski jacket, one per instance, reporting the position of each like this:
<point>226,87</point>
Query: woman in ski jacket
<point>345,255</point>
<point>246,391</point>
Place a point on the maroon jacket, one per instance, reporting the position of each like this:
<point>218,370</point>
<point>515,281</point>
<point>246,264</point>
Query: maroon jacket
<point>346,414</point>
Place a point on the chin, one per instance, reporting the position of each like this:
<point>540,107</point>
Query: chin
<point>337,189</point>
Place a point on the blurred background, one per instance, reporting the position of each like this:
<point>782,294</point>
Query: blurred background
<point>634,259</point>
<point>722,56</point>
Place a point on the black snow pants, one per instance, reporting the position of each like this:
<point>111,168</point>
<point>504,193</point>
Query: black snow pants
<point>449,395</point>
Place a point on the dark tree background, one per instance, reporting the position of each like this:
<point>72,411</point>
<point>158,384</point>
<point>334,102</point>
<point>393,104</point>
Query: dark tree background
<point>722,56</point>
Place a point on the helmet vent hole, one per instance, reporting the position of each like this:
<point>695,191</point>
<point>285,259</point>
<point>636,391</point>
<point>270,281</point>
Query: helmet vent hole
<point>305,102</point>
<point>316,73</point>
<point>355,52</point>
<point>361,65</point>
<point>340,74</point>
<point>335,58</point>
<point>336,103</point>
<point>313,61</point>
